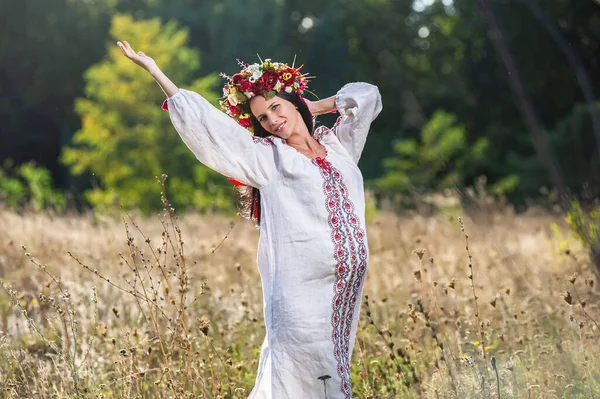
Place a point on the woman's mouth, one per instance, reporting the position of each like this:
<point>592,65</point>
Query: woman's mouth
<point>280,127</point>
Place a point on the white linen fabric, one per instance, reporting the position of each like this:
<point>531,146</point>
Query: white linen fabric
<point>312,252</point>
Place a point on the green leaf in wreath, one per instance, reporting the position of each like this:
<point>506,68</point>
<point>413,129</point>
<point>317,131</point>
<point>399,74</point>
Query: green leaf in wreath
<point>269,94</point>
<point>241,97</point>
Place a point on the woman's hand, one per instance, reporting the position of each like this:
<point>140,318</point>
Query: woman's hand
<point>168,87</point>
<point>139,58</point>
<point>321,107</point>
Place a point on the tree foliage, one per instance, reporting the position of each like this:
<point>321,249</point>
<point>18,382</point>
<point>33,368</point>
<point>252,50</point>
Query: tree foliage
<point>425,57</point>
<point>440,159</point>
<point>126,140</point>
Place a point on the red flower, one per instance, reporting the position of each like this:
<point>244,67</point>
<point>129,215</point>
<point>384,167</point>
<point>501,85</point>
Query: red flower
<point>246,86</point>
<point>234,111</point>
<point>237,79</point>
<point>268,80</point>
<point>245,122</point>
<point>287,76</point>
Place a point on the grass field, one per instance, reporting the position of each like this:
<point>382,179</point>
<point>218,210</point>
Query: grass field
<point>163,307</point>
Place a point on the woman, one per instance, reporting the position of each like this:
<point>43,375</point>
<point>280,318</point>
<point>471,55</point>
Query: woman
<point>312,253</point>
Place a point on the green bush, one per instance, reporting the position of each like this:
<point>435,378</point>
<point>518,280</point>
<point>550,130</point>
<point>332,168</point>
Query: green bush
<point>441,159</point>
<point>584,226</point>
<point>30,185</point>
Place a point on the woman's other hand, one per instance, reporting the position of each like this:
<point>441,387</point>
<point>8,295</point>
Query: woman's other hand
<point>139,58</point>
<point>321,107</point>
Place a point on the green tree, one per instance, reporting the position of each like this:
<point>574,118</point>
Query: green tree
<point>126,140</point>
<point>441,159</point>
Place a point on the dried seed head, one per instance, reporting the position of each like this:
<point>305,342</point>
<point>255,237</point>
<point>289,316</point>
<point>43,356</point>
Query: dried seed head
<point>203,325</point>
<point>573,278</point>
<point>420,253</point>
<point>452,284</point>
<point>493,302</point>
<point>590,282</point>
<point>567,297</point>
<point>417,274</point>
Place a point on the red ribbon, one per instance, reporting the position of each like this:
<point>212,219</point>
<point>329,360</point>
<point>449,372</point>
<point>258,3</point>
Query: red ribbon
<point>236,183</point>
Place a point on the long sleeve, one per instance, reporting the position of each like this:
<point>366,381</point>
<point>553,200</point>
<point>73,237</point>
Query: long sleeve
<point>220,143</point>
<point>358,104</point>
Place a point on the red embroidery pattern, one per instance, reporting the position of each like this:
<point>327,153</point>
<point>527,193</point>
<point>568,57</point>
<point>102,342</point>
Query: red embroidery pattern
<point>322,131</point>
<point>263,140</point>
<point>351,256</point>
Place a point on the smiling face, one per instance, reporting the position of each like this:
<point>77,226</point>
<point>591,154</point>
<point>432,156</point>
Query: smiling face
<point>277,116</point>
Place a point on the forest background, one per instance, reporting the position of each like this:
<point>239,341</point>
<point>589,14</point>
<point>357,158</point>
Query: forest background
<point>483,178</point>
<point>490,90</point>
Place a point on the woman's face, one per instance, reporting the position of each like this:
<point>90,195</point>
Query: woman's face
<point>277,116</point>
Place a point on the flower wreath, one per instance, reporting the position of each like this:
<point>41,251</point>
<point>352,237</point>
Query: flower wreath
<point>265,78</point>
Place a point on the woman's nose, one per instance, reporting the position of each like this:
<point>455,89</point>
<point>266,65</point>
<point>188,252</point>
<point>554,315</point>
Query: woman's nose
<point>273,119</point>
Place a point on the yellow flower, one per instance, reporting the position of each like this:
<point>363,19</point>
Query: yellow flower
<point>476,343</point>
<point>244,116</point>
<point>233,90</point>
<point>33,302</point>
<point>23,303</point>
<point>286,76</point>
<point>487,348</point>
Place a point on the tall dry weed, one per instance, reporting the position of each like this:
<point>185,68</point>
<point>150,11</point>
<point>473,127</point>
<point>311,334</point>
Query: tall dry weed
<point>171,306</point>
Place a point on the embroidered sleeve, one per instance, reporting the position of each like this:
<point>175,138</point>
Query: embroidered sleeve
<point>220,143</point>
<point>358,104</point>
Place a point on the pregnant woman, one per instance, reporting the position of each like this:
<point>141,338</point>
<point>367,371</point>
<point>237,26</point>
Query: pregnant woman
<point>303,187</point>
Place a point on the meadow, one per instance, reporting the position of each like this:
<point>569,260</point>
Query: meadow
<point>489,304</point>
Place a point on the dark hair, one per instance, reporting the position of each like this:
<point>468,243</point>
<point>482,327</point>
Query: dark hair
<point>249,197</point>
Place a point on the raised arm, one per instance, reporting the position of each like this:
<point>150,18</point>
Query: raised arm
<point>358,104</point>
<point>216,140</point>
<point>149,65</point>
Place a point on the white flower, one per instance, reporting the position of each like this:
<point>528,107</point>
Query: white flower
<point>255,71</point>
<point>288,89</point>
<point>251,79</point>
<point>225,92</point>
<point>277,86</point>
<point>232,98</point>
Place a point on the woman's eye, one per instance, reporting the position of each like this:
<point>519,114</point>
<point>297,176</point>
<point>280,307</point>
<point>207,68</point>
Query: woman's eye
<point>275,106</point>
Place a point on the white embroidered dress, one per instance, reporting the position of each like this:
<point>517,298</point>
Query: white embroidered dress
<point>312,253</point>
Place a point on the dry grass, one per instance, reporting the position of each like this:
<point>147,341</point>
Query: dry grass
<point>186,317</point>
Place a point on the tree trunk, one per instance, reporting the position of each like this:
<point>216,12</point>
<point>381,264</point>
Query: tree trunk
<point>538,138</point>
<point>576,64</point>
